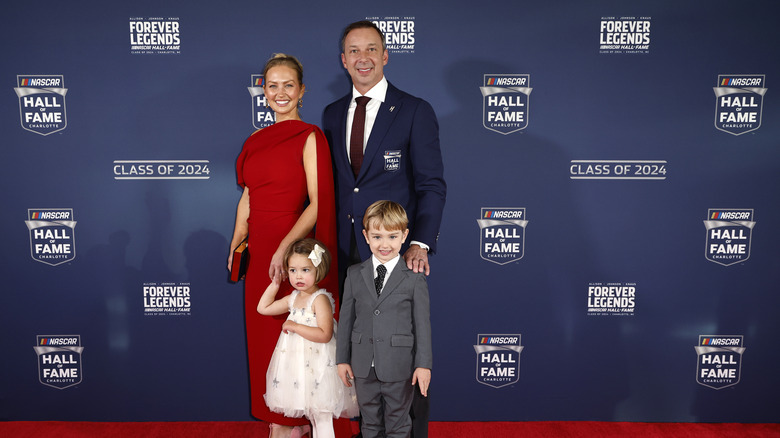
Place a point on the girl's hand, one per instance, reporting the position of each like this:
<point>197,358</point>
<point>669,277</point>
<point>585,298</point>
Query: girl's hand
<point>277,280</point>
<point>230,262</point>
<point>289,326</point>
<point>276,264</point>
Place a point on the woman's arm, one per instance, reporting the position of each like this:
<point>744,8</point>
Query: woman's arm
<point>305,223</point>
<point>241,229</point>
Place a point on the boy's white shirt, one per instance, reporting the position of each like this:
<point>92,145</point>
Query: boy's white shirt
<point>390,265</point>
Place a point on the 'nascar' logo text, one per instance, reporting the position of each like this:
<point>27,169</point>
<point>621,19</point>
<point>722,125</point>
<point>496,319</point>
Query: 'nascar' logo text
<point>52,239</point>
<point>719,360</point>
<point>59,360</point>
<point>739,100</point>
<point>262,116</point>
<point>42,103</point>
<point>502,234</point>
<point>505,102</point>
<point>729,233</point>
<point>498,359</point>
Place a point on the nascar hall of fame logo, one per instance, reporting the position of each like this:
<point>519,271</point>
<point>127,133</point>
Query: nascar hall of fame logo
<point>167,299</point>
<point>719,360</point>
<point>155,35</point>
<point>262,116</point>
<point>611,299</point>
<point>398,31</point>
<point>505,102</point>
<point>729,232</point>
<point>624,35</point>
<point>498,359</point>
<point>739,100</point>
<point>392,161</point>
<point>42,103</point>
<point>52,238</point>
<point>59,360</point>
<point>502,234</point>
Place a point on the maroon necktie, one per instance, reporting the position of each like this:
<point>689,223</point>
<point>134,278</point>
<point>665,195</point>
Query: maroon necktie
<point>356,138</point>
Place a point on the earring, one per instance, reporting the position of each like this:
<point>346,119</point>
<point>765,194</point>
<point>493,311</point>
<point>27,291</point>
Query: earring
<point>300,103</point>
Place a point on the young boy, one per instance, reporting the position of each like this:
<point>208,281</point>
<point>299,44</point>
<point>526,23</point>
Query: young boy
<point>384,332</point>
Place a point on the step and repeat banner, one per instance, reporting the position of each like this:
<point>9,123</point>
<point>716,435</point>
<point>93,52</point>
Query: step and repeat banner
<point>609,248</point>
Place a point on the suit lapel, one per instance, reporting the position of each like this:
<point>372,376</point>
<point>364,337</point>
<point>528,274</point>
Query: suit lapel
<point>340,135</point>
<point>368,277</point>
<point>384,119</point>
<point>399,274</point>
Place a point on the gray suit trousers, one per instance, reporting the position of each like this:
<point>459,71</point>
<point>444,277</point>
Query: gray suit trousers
<point>384,407</point>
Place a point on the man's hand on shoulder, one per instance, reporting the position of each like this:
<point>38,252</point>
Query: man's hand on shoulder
<point>417,259</point>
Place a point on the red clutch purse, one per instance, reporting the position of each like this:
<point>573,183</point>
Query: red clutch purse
<point>240,262</point>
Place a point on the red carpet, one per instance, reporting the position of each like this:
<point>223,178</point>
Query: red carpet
<point>541,429</point>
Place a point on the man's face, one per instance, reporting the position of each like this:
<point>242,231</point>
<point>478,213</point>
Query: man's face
<point>384,244</point>
<point>364,58</point>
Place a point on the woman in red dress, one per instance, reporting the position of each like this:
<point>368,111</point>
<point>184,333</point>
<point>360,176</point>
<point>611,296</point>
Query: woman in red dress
<point>286,172</point>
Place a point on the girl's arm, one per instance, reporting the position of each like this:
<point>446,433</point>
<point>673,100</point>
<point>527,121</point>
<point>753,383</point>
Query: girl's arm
<point>241,229</point>
<point>305,223</point>
<point>324,330</point>
<point>268,305</point>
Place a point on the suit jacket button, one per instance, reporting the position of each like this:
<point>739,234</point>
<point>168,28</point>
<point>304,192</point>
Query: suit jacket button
<point>356,190</point>
<point>376,312</point>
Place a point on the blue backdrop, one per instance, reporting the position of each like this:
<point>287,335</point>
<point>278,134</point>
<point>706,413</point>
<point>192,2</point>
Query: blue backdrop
<point>607,250</point>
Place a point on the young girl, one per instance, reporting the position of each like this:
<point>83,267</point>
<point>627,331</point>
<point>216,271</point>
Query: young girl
<point>302,378</point>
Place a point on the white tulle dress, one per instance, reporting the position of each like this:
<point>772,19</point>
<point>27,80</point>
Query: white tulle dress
<point>302,377</point>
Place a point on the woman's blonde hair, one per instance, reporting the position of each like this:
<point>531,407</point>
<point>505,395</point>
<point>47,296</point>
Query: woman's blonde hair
<point>286,60</point>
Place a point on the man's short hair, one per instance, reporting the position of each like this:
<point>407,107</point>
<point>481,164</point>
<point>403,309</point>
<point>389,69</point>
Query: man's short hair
<point>387,214</point>
<point>362,24</point>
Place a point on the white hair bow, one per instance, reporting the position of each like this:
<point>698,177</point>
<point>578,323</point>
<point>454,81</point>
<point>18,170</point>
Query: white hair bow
<point>316,255</point>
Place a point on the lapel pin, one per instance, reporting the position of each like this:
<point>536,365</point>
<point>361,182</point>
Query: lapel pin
<point>392,108</point>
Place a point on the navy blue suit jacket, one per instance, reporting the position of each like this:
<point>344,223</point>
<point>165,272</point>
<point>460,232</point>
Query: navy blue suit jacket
<point>402,163</point>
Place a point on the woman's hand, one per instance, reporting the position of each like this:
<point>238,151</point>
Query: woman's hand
<point>276,265</point>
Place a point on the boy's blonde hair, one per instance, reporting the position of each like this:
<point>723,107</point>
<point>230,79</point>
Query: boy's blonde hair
<point>305,247</point>
<point>387,214</point>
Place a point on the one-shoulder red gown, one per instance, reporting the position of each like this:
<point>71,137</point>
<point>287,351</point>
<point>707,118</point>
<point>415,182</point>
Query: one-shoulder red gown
<point>271,165</point>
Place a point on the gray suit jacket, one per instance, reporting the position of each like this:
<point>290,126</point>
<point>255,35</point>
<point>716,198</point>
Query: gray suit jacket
<point>392,330</point>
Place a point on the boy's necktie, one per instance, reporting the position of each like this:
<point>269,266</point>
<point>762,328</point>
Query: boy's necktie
<point>380,278</point>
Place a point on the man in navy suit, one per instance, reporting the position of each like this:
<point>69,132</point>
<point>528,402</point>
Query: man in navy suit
<point>400,161</point>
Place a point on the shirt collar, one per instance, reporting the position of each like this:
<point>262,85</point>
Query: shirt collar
<point>377,92</point>
<point>390,265</point>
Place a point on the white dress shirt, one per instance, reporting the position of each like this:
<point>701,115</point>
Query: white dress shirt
<point>390,265</point>
<point>377,94</point>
